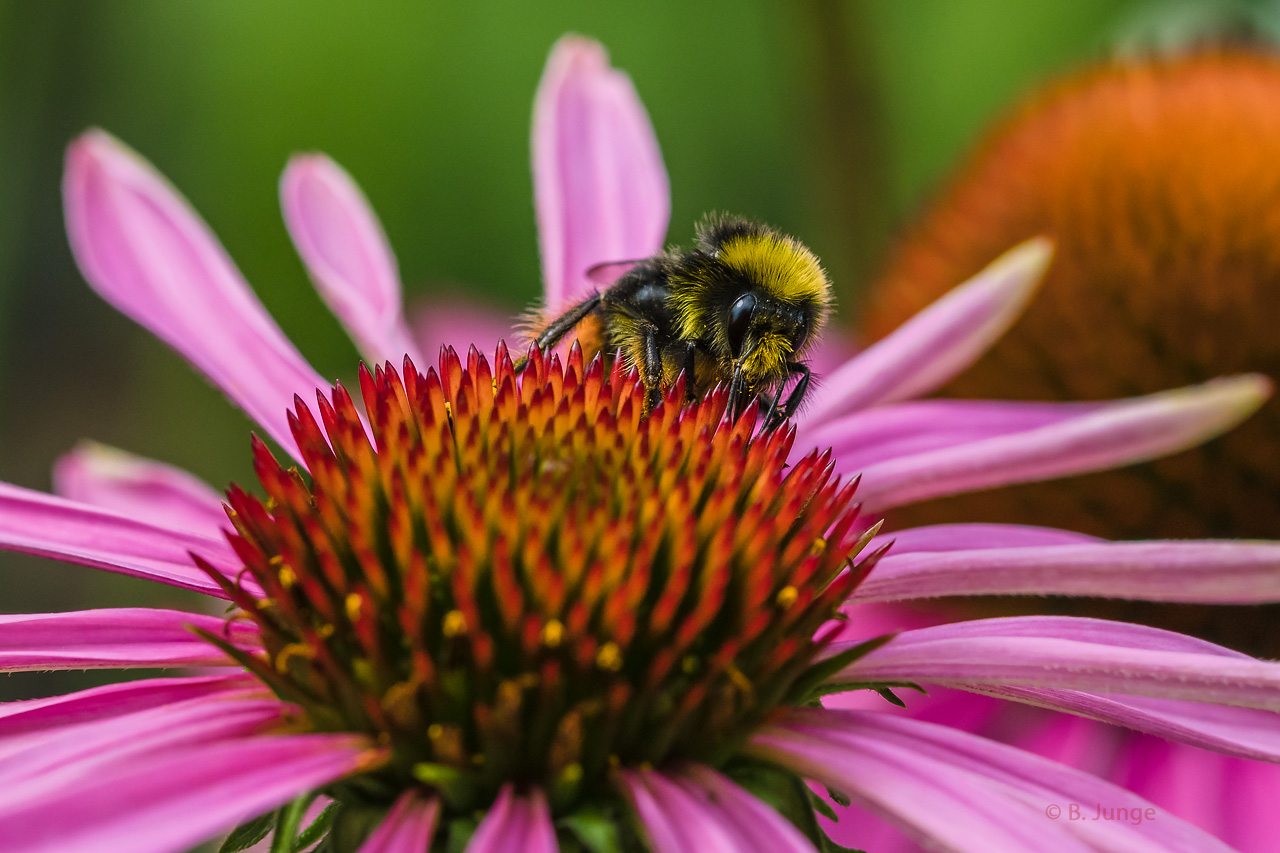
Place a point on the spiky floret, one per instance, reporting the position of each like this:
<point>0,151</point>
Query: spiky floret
<point>526,579</point>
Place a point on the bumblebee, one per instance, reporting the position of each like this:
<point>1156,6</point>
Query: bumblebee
<point>740,308</point>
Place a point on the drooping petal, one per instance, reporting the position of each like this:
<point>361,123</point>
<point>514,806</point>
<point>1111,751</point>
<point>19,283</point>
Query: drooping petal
<point>1120,433</point>
<point>1205,572</point>
<point>37,765</point>
<point>757,825</point>
<point>140,488</point>
<point>347,254</point>
<point>407,828</point>
<point>115,638</point>
<point>1242,732</point>
<point>953,791</point>
<point>178,798</point>
<point>672,820</point>
<point>599,184</point>
<point>1092,655</point>
<point>450,321</point>
<point>36,523</point>
<point>937,343</point>
<point>144,250</point>
<point>515,822</point>
<point>111,700</point>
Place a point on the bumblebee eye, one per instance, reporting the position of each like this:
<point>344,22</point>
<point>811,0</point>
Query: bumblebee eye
<point>739,321</point>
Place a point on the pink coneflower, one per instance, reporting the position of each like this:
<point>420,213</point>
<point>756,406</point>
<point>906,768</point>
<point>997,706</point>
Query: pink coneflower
<point>496,612</point>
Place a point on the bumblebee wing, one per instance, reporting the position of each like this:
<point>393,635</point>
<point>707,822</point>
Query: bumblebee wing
<point>608,272</point>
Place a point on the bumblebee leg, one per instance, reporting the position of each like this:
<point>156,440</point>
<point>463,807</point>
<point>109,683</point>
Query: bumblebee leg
<point>690,376</point>
<point>789,408</point>
<point>561,326</point>
<point>737,392</point>
<point>651,369</point>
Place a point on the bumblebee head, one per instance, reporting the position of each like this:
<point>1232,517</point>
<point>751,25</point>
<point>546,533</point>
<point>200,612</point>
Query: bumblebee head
<point>758,296</point>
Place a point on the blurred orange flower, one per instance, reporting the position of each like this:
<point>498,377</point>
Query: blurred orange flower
<point>1160,181</point>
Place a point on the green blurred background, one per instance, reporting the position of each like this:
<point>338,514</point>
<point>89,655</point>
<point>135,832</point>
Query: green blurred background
<point>832,120</point>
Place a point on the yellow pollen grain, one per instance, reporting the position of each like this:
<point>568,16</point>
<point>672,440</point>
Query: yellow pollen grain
<point>326,631</point>
<point>293,650</point>
<point>287,577</point>
<point>448,409</point>
<point>609,658</point>
<point>264,603</point>
<point>787,596</point>
<point>353,604</point>
<point>552,634</point>
<point>455,624</point>
<point>739,680</point>
<point>435,731</point>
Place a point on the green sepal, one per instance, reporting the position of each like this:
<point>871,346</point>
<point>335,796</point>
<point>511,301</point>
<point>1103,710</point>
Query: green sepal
<point>783,791</point>
<point>459,834</point>
<point>832,687</point>
<point>288,819</point>
<point>248,833</point>
<point>814,678</point>
<point>595,829</point>
<point>317,829</point>
<point>823,808</point>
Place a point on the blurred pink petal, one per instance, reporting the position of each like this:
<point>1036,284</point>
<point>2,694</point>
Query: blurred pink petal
<point>144,250</point>
<point>672,820</point>
<point>758,827</point>
<point>939,342</point>
<point>407,828</point>
<point>1072,653</point>
<point>950,790</point>
<point>1118,433</point>
<point>35,767</point>
<point>36,523</point>
<point>172,801</point>
<point>459,323</point>
<point>515,822</point>
<point>115,638</point>
<point>111,700</point>
<point>1205,572</point>
<point>138,487</point>
<point>346,251</point>
<point>600,188</point>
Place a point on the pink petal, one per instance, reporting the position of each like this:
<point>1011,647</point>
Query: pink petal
<point>115,638</point>
<point>674,821</point>
<point>37,766</point>
<point>600,188</point>
<point>965,537</point>
<point>35,523</point>
<point>1204,572</point>
<point>140,488</point>
<point>459,323</point>
<point>1092,655</point>
<point>1120,433</point>
<point>171,801</point>
<point>347,253</point>
<point>1242,732</point>
<point>877,435</point>
<point>939,342</point>
<point>144,250</point>
<point>407,828</point>
<point>951,790</point>
<point>515,822</point>
<point>757,825</point>
<point>112,700</point>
